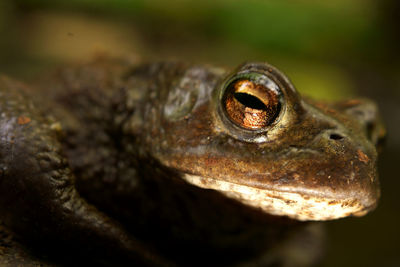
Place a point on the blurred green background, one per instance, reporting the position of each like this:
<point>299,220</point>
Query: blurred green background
<point>329,49</point>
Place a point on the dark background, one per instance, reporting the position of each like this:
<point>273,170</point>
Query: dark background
<point>330,50</point>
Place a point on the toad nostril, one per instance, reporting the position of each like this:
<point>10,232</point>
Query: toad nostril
<point>370,129</point>
<point>335,136</point>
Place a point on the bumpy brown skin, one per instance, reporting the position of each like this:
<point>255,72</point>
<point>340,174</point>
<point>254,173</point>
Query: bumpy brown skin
<point>38,196</point>
<point>322,150</point>
<point>94,165</point>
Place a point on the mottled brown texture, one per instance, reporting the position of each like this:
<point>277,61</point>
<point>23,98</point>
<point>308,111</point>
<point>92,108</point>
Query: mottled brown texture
<point>96,170</point>
<point>318,145</point>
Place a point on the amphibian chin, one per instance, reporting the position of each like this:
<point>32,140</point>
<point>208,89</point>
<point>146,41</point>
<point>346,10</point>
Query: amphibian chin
<point>169,163</point>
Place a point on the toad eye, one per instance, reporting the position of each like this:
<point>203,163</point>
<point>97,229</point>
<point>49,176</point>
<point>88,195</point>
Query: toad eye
<point>252,102</point>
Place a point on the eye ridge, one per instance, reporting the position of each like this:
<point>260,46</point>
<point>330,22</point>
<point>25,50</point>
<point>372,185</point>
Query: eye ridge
<point>251,105</point>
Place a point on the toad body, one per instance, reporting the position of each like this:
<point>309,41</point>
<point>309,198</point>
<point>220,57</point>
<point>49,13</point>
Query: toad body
<point>176,164</point>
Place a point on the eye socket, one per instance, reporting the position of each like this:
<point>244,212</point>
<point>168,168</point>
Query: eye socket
<point>252,102</point>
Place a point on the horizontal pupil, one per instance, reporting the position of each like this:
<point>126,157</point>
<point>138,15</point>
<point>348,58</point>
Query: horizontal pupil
<point>250,101</point>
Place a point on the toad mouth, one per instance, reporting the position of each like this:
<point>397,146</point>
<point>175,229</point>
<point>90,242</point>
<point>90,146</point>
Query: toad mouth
<point>309,206</point>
